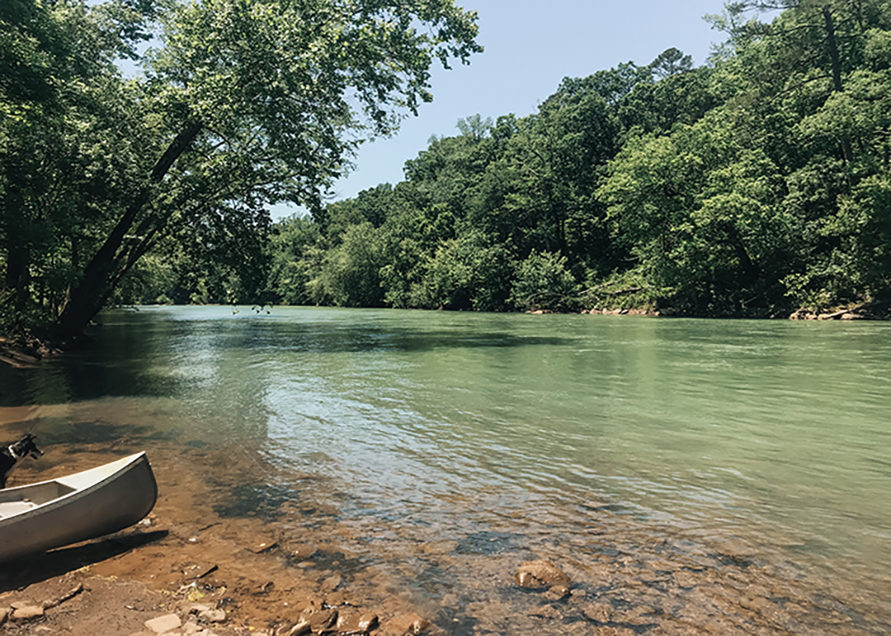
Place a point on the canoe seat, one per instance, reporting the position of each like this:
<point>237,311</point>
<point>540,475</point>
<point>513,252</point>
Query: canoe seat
<point>9,508</point>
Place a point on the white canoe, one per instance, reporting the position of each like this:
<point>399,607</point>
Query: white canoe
<point>53,513</point>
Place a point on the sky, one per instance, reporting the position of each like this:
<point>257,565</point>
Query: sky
<point>530,46</point>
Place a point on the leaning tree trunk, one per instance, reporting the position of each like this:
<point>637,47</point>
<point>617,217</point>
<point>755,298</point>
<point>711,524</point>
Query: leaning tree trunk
<point>96,284</point>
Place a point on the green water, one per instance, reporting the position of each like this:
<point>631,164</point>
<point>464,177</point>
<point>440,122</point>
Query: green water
<point>508,435</point>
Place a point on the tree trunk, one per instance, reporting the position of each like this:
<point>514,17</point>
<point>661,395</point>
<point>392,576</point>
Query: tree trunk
<point>94,287</point>
<point>835,59</point>
<point>17,276</point>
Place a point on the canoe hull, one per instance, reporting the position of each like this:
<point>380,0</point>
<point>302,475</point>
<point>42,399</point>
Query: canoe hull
<point>76,507</point>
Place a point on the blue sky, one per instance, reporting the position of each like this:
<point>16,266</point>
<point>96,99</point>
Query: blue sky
<point>531,46</point>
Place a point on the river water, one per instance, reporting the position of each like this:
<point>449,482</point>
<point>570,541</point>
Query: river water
<point>688,474</point>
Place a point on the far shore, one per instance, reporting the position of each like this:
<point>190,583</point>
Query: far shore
<point>25,351</point>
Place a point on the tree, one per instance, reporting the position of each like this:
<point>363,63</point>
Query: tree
<point>671,62</point>
<point>246,103</point>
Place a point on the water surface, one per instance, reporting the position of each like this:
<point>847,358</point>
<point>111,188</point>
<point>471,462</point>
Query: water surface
<point>688,467</point>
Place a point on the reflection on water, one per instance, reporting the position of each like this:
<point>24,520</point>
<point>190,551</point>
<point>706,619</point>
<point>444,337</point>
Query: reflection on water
<point>663,463</point>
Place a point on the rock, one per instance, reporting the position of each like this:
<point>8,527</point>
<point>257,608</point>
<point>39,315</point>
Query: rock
<point>599,612</point>
<point>355,623</point>
<point>161,624</point>
<point>557,592</point>
<point>265,546</point>
<point>191,628</point>
<point>197,608</point>
<point>410,623</point>
<point>300,629</point>
<point>546,611</point>
<point>323,619</point>
<point>27,612</point>
<point>541,574</point>
<point>20,604</point>
<point>335,598</point>
<point>368,621</point>
<point>213,616</point>
<point>303,552</point>
<point>578,593</point>
<point>4,613</point>
<point>331,583</point>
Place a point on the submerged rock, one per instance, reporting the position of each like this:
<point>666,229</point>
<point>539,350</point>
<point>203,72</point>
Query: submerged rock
<point>410,623</point>
<point>557,592</point>
<point>541,574</point>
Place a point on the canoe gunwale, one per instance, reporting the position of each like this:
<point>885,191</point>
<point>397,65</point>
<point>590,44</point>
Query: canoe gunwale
<point>100,500</point>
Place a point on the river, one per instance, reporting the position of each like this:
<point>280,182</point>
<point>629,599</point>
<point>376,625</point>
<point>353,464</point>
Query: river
<point>722,475</point>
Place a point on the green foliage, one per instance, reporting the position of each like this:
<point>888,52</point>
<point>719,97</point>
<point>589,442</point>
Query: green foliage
<point>543,282</point>
<point>755,185</point>
<point>245,103</point>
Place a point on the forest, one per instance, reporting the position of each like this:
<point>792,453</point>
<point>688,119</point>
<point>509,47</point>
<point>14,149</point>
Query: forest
<point>756,185</point>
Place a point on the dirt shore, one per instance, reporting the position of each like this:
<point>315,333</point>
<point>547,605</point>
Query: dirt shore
<point>185,560</point>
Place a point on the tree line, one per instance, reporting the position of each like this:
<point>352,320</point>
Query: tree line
<point>754,185</point>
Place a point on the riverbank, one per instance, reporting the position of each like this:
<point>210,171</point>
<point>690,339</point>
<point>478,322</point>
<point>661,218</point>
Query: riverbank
<point>186,568</point>
<point>22,353</point>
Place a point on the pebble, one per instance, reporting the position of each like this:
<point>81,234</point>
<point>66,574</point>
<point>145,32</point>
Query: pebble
<point>213,615</point>
<point>410,623</point>
<point>541,574</point>
<point>161,624</point>
<point>300,628</point>
<point>599,612</point>
<point>323,619</point>
<point>368,621</point>
<point>356,623</point>
<point>331,583</point>
<point>27,612</point>
<point>335,598</point>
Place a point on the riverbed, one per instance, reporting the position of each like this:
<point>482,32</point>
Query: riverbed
<point>723,476</point>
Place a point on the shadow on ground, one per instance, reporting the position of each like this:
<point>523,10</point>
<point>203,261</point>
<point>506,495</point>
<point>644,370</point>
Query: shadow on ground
<point>24,572</point>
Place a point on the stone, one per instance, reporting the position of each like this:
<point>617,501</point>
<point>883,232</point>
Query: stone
<point>265,546</point>
<point>541,574</point>
<point>409,623</point>
<point>20,604</point>
<point>599,612</point>
<point>303,552</point>
<point>27,613</point>
<point>213,616</point>
<point>331,583</point>
<point>161,624</point>
<point>323,619</point>
<point>300,629</point>
<point>197,608</point>
<point>335,598</point>
<point>4,614</point>
<point>546,611</point>
<point>355,623</point>
<point>191,628</point>
<point>557,592</point>
<point>368,621</point>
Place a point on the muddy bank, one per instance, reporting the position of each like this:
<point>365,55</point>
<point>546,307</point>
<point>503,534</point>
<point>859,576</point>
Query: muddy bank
<point>272,564</point>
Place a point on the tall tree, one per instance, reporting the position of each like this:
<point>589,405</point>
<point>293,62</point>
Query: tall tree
<point>244,104</point>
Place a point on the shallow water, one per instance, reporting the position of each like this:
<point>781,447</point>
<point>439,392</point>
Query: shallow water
<point>720,475</point>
